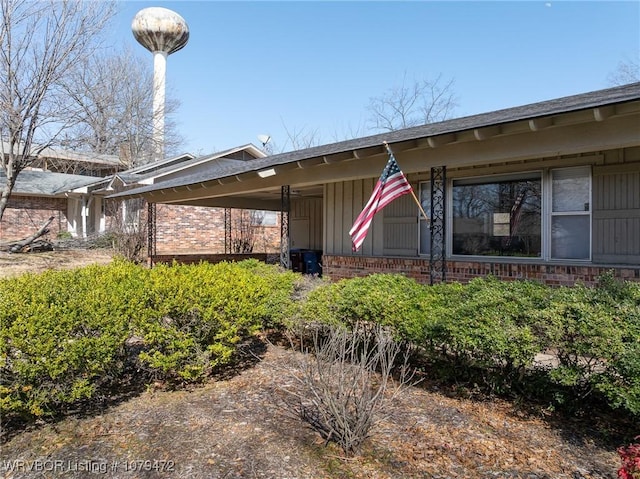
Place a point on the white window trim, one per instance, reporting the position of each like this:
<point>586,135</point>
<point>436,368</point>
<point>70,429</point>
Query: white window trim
<point>546,179</point>
<point>548,217</point>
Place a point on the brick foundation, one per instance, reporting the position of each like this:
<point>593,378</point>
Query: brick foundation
<point>339,267</point>
<point>212,258</point>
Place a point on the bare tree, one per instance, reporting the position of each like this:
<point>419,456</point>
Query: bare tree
<point>348,131</point>
<point>412,104</point>
<point>40,42</point>
<point>297,139</point>
<point>112,95</point>
<point>245,231</point>
<point>627,72</point>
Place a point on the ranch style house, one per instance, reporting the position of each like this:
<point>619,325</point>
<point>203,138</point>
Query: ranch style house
<point>547,191</point>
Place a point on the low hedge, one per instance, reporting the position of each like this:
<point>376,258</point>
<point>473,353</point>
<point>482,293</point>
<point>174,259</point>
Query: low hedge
<point>69,336</point>
<point>65,335</point>
<point>489,332</point>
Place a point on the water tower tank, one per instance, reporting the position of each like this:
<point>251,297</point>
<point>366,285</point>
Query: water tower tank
<point>162,32</point>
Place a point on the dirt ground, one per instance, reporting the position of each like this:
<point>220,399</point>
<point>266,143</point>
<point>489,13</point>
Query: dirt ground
<point>13,264</point>
<point>235,427</point>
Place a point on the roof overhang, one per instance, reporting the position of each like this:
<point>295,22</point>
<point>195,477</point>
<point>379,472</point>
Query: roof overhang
<point>481,140</point>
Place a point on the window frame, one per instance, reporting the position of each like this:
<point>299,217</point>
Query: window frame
<point>550,214</point>
<point>422,220</point>
<point>486,179</point>
<point>547,215</point>
<point>267,214</point>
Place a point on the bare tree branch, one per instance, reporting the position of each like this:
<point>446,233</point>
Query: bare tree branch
<point>627,72</point>
<point>345,381</point>
<point>412,104</point>
<point>40,42</point>
<point>299,139</point>
<point>112,98</point>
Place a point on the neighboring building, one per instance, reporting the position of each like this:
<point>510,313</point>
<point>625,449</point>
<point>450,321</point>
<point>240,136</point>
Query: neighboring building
<point>187,229</point>
<point>548,191</point>
<point>77,201</point>
<point>54,184</point>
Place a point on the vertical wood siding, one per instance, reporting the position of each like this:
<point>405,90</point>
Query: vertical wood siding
<point>309,210</point>
<point>393,231</point>
<point>401,227</point>
<point>616,215</point>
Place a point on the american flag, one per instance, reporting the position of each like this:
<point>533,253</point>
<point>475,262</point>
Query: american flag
<point>391,185</point>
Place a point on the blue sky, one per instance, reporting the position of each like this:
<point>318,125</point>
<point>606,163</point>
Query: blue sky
<point>268,67</point>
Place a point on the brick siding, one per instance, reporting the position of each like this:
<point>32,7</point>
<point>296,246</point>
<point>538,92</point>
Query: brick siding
<point>339,267</point>
<point>189,229</point>
<point>213,258</point>
<point>24,215</point>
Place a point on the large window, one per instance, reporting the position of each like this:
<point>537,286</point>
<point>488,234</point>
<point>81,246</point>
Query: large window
<point>503,215</point>
<point>498,216</point>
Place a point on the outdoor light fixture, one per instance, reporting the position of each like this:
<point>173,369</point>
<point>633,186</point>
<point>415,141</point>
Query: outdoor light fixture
<point>267,173</point>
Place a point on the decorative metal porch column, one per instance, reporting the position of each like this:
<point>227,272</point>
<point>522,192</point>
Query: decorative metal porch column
<point>227,231</point>
<point>151,232</point>
<point>438,257</point>
<point>285,196</point>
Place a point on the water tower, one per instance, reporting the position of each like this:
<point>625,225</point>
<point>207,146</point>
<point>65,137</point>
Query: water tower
<point>162,32</point>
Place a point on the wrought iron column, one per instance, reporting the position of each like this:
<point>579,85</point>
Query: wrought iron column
<point>285,195</point>
<point>438,257</point>
<point>227,231</point>
<point>151,232</point>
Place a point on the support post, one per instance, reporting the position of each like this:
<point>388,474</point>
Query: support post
<point>285,196</point>
<point>227,231</point>
<point>151,232</point>
<point>438,257</point>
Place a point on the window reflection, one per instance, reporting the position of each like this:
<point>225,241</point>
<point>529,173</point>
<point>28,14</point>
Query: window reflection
<point>497,218</point>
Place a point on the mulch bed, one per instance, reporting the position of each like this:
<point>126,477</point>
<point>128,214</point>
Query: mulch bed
<point>234,428</point>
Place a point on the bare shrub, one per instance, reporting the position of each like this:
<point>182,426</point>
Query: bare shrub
<point>344,381</point>
<point>128,229</point>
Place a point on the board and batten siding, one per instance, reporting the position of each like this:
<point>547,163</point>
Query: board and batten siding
<point>616,208</point>
<point>305,223</point>
<point>393,232</point>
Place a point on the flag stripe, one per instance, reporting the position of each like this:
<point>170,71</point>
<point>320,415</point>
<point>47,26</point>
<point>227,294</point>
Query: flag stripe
<point>391,185</point>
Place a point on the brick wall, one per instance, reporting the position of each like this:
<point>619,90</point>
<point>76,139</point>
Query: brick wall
<point>188,229</point>
<point>25,214</point>
<point>213,258</point>
<point>339,267</point>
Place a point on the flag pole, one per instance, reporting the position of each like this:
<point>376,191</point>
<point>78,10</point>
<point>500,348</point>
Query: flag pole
<point>415,198</point>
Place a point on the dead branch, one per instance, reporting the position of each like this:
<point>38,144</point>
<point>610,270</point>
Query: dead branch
<point>19,246</point>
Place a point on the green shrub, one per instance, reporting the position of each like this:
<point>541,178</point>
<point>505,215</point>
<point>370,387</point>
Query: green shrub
<point>595,333</point>
<point>480,332</point>
<point>200,314</point>
<point>279,306</point>
<point>489,332</point>
<point>387,299</point>
<point>63,335</point>
<point>489,323</point>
